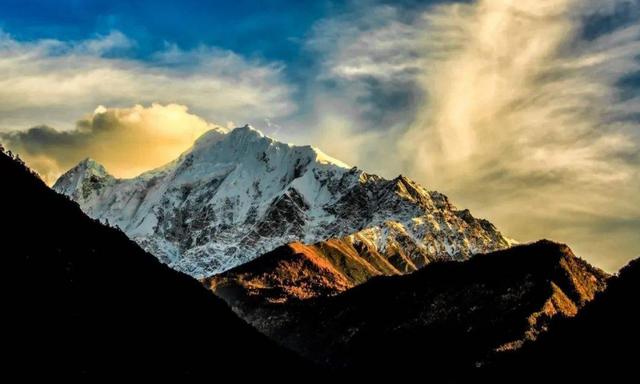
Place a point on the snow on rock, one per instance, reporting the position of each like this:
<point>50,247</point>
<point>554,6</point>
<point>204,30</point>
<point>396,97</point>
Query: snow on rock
<point>236,195</point>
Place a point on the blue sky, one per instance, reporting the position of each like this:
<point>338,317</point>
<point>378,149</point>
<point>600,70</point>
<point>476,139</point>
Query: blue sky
<point>270,29</point>
<point>266,30</point>
<point>524,111</point>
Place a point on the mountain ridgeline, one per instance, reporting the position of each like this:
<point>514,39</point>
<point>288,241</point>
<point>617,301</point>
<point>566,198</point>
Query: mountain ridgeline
<point>81,298</point>
<point>303,271</point>
<point>237,195</point>
<point>448,316</point>
<point>599,344</point>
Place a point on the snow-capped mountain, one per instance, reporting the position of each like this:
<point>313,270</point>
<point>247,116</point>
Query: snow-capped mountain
<point>238,194</point>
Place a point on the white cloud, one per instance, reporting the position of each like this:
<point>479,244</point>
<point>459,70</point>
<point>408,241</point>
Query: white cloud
<point>54,82</point>
<point>364,87</point>
<point>380,46</point>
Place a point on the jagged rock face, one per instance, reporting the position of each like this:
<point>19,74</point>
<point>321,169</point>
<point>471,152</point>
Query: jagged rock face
<point>445,317</point>
<point>236,195</point>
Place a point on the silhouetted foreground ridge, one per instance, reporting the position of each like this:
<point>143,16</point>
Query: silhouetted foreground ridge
<point>79,297</point>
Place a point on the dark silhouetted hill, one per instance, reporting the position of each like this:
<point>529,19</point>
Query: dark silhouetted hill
<point>79,297</point>
<point>600,344</point>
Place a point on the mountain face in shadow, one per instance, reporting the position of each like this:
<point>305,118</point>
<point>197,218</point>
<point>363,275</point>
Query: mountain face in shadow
<point>600,344</point>
<point>80,297</point>
<point>448,316</point>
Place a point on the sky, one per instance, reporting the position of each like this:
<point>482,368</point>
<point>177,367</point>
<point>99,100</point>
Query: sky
<point>525,112</point>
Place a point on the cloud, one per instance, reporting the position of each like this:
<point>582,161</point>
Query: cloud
<point>54,82</point>
<point>127,141</point>
<point>362,88</point>
<point>514,109</point>
<point>527,112</point>
<point>382,46</point>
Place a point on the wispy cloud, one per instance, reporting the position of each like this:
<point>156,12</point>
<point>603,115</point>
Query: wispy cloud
<point>519,113</point>
<point>54,82</point>
<point>363,87</point>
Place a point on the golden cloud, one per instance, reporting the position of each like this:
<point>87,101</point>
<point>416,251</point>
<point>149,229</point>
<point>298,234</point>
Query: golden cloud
<point>128,141</point>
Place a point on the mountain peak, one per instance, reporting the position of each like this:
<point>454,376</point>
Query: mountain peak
<point>246,132</point>
<point>84,179</point>
<point>90,164</point>
<point>238,194</point>
<point>210,137</point>
<point>247,128</point>
<point>237,135</point>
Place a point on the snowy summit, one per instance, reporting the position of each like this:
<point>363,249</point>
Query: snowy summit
<point>238,194</point>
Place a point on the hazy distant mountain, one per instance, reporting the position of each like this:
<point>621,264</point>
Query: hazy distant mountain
<point>446,317</point>
<point>79,297</point>
<point>236,195</point>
